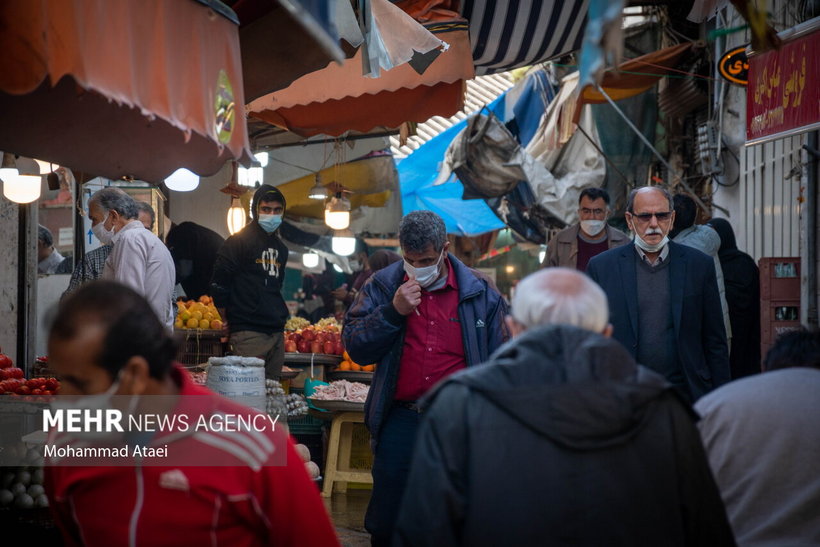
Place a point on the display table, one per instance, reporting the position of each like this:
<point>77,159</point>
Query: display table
<point>338,470</point>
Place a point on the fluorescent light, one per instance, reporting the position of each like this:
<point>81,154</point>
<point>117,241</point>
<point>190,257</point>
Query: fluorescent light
<point>21,188</point>
<point>337,268</point>
<point>182,180</point>
<point>318,191</point>
<point>343,246</point>
<point>337,213</point>
<point>249,177</point>
<point>236,217</point>
<point>310,260</point>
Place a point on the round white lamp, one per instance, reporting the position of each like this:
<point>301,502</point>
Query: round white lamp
<point>310,260</point>
<point>182,180</point>
<point>21,188</point>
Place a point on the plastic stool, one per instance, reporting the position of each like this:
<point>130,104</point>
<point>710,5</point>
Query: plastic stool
<point>337,467</point>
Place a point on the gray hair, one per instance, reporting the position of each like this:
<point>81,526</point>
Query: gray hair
<point>560,296</point>
<point>44,236</point>
<point>145,207</point>
<point>114,199</point>
<point>420,229</point>
<point>630,201</point>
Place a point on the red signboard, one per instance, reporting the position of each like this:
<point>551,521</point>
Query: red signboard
<point>783,94</point>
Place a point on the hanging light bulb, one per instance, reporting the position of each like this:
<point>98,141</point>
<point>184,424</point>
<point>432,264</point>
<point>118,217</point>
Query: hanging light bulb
<point>262,158</point>
<point>7,174</point>
<point>318,191</point>
<point>20,188</point>
<point>236,216</point>
<point>343,243</point>
<point>46,167</point>
<point>182,180</point>
<point>337,212</point>
<point>310,260</point>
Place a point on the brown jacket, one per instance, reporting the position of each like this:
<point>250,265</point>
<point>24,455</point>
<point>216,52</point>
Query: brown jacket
<point>562,249</point>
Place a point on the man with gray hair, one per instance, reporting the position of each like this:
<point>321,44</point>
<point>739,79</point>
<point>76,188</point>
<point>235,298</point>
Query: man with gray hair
<point>421,320</point>
<point>664,302</point>
<point>138,258</point>
<point>560,439</point>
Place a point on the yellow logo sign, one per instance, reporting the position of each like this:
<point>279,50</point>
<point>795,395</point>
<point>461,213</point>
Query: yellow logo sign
<point>734,66</point>
<point>225,108</point>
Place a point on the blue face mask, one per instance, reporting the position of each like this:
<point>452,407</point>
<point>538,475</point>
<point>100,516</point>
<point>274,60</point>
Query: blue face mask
<point>270,223</point>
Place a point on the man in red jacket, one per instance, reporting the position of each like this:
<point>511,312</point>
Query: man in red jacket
<point>208,486</point>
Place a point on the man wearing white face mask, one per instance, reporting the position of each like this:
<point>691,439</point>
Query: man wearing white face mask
<point>421,319</point>
<point>573,246</point>
<point>663,299</point>
<point>138,258</point>
<point>247,283</point>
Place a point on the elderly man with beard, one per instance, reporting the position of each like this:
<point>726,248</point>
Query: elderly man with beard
<point>663,299</point>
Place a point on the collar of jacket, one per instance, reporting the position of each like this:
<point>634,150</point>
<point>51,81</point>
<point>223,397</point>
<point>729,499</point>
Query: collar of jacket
<point>469,286</point>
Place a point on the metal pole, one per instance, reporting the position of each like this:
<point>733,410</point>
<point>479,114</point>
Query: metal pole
<point>652,148</point>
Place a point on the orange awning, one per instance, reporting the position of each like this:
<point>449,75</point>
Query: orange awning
<point>637,75</point>
<point>338,98</point>
<point>129,87</point>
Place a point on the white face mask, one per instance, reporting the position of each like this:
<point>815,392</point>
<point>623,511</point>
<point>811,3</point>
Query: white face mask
<point>355,265</point>
<point>427,275</point>
<point>104,235</point>
<point>97,401</point>
<point>649,248</point>
<point>593,227</point>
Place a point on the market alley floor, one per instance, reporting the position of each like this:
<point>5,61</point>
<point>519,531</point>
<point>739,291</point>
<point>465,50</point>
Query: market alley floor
<point>347,511</point>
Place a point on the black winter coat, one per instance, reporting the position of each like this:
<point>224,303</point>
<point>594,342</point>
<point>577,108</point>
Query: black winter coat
<point>561,439</point>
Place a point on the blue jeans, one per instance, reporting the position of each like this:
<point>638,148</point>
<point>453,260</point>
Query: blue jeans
<point>391,465</point>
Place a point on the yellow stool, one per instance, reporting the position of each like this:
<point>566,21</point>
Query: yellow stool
<point>337,467</point>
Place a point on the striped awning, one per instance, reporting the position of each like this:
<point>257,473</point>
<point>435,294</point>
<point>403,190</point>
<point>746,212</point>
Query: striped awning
<point>515,33</point>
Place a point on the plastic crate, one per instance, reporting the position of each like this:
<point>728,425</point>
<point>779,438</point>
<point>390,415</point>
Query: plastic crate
<point>361,457</point>
<point>199,346</point>
<point>305,425</point>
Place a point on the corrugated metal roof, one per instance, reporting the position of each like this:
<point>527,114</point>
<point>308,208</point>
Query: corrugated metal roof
<point>481,90</point>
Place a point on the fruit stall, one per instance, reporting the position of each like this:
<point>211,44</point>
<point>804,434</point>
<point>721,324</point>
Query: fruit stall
<point>23,501</point>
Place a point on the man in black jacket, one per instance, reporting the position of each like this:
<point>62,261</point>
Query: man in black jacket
<point>247,283</point>
<point>561,439</point>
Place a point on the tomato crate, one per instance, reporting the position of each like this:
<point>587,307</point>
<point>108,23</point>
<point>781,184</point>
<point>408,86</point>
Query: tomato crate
<point>305,425</point>
<point>199,345</point>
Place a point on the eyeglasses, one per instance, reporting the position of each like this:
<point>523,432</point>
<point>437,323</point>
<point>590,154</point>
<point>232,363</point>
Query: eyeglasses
<point>596,212</point>
<point>646,217</point>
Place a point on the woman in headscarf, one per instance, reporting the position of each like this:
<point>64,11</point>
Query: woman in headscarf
<point>742,279</point>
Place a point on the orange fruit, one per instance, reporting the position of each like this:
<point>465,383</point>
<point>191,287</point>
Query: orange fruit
<point>203,299</point>
<point>369,368</point>
<point>344,365</point>
<point>197,315</point>
<point>178,324</point>
<point>185,316</point>
<point>216,324</point>
<point>354,366</point>
<point>192,323</point>
<point>345,356</point>
<point>204,324</point>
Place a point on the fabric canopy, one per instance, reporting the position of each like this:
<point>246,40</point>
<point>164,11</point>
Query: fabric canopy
<point>370,181</point>
<point>281,41</point>
<point>518,33</point>
<point>133,88</point>
<point>338,98</point>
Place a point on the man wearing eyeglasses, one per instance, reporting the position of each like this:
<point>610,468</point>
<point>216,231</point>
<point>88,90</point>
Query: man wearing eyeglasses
<point>663,299</point>
<point>573,246</point>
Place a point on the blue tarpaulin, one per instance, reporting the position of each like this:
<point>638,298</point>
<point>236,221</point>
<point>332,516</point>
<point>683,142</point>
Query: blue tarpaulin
<point>419,170</point>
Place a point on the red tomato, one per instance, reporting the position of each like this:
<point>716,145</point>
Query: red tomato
<point>52,384</point>
<point>328,347</point>
<point>315,347</point>
<point>5,361</point>
<point>23,390</point>
<point>48,392</point>
<point>37,391</point>
<point>3,374</point>
<point>303,346</point>
<point>15,372</point>
<point>338,348</point>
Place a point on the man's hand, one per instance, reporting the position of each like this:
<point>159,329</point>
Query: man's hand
<point>340,293</point>
<point>407,297</point>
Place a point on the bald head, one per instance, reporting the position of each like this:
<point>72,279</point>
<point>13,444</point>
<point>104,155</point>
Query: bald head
<point>559,296</point>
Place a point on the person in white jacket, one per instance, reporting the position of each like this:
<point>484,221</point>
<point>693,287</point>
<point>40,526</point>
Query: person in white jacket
<point>703,238</point>
<point>138,258</point>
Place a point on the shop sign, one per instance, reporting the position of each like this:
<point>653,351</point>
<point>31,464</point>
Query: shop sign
<point>734,66</point>
<point>783,94</point>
